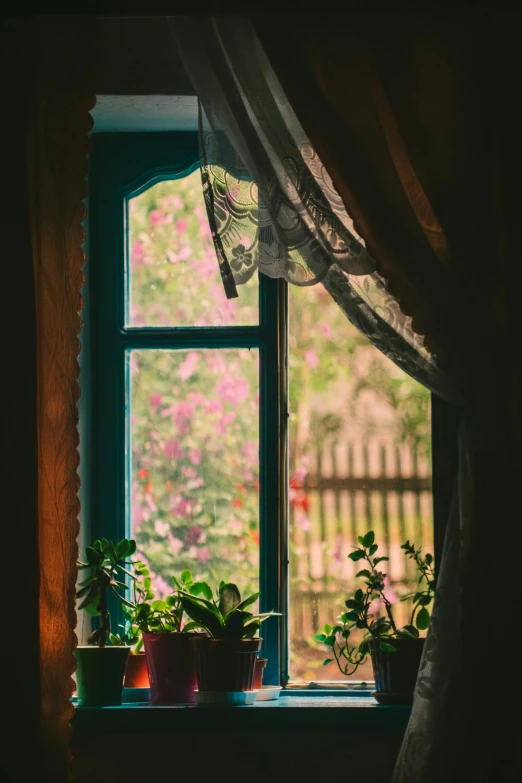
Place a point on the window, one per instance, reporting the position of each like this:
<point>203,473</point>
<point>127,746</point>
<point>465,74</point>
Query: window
<point>249,439</point>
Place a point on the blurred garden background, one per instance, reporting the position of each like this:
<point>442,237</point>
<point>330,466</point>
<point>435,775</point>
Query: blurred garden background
<point>360,443</point>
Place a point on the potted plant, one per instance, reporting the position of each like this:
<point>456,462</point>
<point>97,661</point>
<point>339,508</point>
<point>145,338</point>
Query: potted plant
<point>136,671</point>
<point>101,666</point>
<point>166,638</point>
<point>395,652</point>
<point>226,658</point>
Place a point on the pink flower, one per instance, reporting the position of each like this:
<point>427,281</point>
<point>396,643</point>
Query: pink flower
<point>159,587</point>
<point>155,400</point>
<point>193,535</point>
<point>233,390</point>
<point>221,426</point>
<point>188,473</point>
<point>326,329</point>
<point>137,255</point>
<point>251,452</point>
<point>155,217</point>
<point>175,544</point>
<point>311,358</point>
<point>137,517</point>
<point>235,525</point>
<point>181,226</point>
<point>188,367</point>
<point>172,449</point>
<point>161,528</point>
<point>203,554</point>
<point>181,507</point>
<point>195,456</point>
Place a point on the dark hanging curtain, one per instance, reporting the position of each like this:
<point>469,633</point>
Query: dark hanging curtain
<point>415,116</point>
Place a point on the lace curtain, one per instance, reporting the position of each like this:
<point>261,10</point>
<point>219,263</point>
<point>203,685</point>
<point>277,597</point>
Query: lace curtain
<point>271,203</point>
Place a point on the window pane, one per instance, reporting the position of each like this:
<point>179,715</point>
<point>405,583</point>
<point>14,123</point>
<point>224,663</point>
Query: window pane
<point>360,459</point>
<point>173,273</point>
<point>194,495</point>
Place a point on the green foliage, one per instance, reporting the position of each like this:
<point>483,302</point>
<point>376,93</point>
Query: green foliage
<point>105,560</point>
<point>359,614</point>
<point>226,615</point>
<point>150,615</point>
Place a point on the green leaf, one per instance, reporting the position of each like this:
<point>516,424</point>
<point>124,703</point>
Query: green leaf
<point>319,637</point>
<point>365,573</point>
<point>132,547</point>
<point>351,603</point>
<point>429,558</point>
<point>94,557</point>
<point>201,588</point>
<point>360,539</point>
<point>385,647</point>
<point>422,619</point>
<point>377,560</point>
<point>357,555</point>
<point>186,576</point>
<point>425,600</point>
<point>123,548</point>
<point>368,539</point>
<point>229,598</point>
<point>411,631</point>
<point>359,596</point>
<point>373,549</point>
<point>327,661</point>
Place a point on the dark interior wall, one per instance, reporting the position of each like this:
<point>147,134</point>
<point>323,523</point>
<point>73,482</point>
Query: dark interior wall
<point>137,56</point>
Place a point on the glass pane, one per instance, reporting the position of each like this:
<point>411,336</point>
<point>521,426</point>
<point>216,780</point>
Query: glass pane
<point>194,495</point>
<point>360,460</point>
<point>173,273</point>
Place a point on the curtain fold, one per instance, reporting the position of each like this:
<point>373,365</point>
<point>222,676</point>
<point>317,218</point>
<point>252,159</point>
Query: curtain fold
<point>411,115</point>
<point>271,202</point>
<point>57,167</point>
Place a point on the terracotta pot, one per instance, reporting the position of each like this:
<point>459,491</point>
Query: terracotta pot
<point>258,673</point>
<point>171,666</point>
<point>136,672</point>
<point>395,673</point>
<point>225,664</point>
<point>99,675</point>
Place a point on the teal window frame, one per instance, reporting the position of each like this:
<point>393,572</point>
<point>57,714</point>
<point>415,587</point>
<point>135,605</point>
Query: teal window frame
<point>123,165</point>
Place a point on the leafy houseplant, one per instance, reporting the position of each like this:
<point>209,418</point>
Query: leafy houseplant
<point>136,672</point>
<point>101,667</point>
<point>226,658</point>
<point>166,637</point>
<point>395,651</point>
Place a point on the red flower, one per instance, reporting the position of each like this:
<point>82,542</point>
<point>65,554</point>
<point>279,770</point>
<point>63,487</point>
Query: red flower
<point>148,487</point>
<point>237,502</point>
<point>142,473</point>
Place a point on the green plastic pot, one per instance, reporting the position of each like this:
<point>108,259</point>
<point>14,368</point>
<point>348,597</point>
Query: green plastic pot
<point>99,675</point>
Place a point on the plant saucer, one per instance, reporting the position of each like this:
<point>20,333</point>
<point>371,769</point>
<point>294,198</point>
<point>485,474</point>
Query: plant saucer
<point>268,692</point>
<point>237,698</point>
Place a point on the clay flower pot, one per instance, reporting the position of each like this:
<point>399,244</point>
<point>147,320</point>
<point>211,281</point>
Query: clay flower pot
<point>136,672</point>
<point>258,673</point>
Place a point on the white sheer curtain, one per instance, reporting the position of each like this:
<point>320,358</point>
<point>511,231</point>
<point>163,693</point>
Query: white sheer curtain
<point>271,203</point>
<point>272,206</point>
